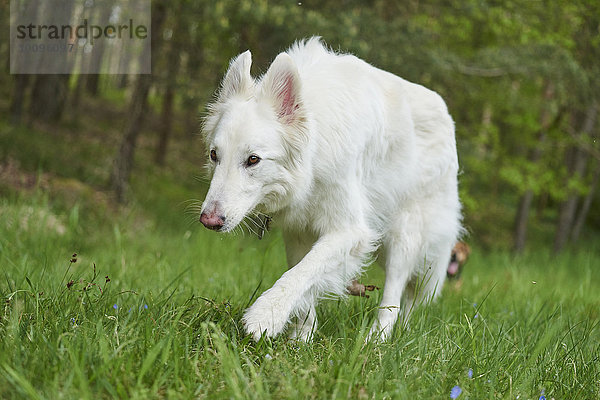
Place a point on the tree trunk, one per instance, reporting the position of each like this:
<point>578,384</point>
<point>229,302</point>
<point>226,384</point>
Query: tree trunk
<point>50,91</point>
<point>191,100</point>
<point>173,61</point>
<point>585,206</point>
<point>92,80</point>
<point>124,160</point>
<point>49,97</point>
<point>522,217</point>
<point>165,126</point>
<point>76,96</point>
<point>521,220</point>
<point>91,84</point>
<point>577,169</point>
<point>22,82</point>
<point>18,98</point>
<point>124,62</point>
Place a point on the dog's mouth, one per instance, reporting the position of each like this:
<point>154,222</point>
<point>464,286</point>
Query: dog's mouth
<point>453,266</point>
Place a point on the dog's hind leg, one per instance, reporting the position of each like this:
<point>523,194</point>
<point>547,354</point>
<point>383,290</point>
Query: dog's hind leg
<point>403,248</point>
<point>398,272</point>
<point>428,285</point>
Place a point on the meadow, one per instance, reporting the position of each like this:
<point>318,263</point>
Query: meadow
<point>140,301</point>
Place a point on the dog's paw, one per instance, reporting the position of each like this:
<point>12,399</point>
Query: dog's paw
<point>264,318</point>
<point>302,330</point>
<point>379,334</point>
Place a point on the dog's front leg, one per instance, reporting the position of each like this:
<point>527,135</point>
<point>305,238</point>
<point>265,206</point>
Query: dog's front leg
<point>333,261</point>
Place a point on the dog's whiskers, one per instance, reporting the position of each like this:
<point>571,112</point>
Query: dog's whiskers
<point>201,179</point>
<point>193,206</point>
<point>259,226</point>
<point>260,214</point>
<point>238,230</point>
<point>250,229</point>
<point>190,221</point>
<point>262,218</point>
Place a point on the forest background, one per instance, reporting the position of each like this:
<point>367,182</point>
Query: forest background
<point>520,79</point>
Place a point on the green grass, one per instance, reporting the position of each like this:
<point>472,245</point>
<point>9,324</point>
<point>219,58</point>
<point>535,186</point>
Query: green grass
<point>166,322</point>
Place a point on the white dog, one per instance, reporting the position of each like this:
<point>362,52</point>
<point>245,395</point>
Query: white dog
<point>350,161</point>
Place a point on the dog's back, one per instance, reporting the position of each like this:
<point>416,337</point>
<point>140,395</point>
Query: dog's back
<point>395,136</point>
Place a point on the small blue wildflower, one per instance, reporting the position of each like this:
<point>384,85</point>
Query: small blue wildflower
<point>476,315</point>
<point>145,306</point>
<point>73,320</point>
<point>470,373</point>
<point>455,392</point>
<point>129,309</point>
<point>542,397</point>
<point>115,306</point>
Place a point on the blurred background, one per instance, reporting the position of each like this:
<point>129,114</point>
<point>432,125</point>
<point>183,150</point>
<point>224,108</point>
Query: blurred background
<point>520,77</point>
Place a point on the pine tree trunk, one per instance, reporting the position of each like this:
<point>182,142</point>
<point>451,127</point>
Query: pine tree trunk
<point>122,80</point>
<point>50,91</point>
<point>22,82</point>
<point>191,103</point>
<point>165,126</point>
<point>18,98</point>
<point>92,80</point>
<point>173,61</point>
<point>123,163</point>
<point>91,84</point>
<point>523,210</point>
<point>565,221</point>
<point>49,97</point>
<point>577,167</point>
<point>585,206</point>
<point>76,94</point>
<point>521,221</point>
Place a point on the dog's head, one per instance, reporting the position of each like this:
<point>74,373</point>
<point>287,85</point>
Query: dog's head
<point>458,258</point>
<point>255,132</point>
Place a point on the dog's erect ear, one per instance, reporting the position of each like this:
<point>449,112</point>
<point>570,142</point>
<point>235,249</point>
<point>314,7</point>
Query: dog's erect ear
<point>237,79</point>
<point>281,85</point>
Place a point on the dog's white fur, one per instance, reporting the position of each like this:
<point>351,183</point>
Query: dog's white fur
<point>355,162</point>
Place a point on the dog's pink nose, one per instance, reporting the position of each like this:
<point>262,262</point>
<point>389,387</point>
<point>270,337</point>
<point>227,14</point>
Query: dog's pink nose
<point>212,221</point>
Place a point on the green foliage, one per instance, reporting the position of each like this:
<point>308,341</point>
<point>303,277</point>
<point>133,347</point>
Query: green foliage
<point>493,62</point>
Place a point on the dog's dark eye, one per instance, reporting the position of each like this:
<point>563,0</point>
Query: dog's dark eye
<point>213,155</point>
<point>252,160</point>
